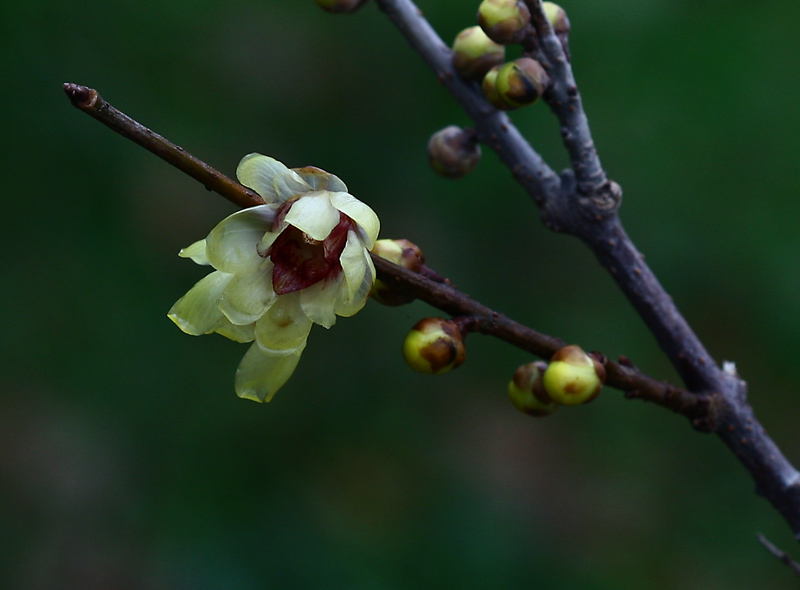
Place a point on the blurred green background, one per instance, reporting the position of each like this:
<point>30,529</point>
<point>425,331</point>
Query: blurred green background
<point>126,460</point>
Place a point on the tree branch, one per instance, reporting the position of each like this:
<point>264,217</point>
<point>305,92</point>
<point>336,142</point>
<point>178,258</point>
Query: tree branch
<point>584,203</point>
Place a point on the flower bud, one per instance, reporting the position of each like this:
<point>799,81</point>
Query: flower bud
<point>521,82</point>
<point>454,152</point>
<point>434,346</point>
<point>489,88</point>
<point>527,392</point>
<point>573,377</point>
<point>557,17</point>
<point>340,6</point>
<point>474,53</point>
<point>504,21</point>
<point>402,253</point>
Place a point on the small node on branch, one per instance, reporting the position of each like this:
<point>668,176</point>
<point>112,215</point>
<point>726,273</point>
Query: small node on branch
<point>454,152</point>
<point>402,253</point>
<point>340,6</point>
<point>80,96</point>
<point>521,82</point>
<point>434,346</point>
<point>504,21</point>
<point>527,393</point>
<point>574,377</point>
<point>474,53</point>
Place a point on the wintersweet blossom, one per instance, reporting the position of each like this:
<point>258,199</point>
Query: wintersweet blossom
<point>300,259</point>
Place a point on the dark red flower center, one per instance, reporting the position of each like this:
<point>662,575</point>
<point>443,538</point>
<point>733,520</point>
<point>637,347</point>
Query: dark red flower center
<point>300,261</point>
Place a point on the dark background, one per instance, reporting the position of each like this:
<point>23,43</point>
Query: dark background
<point>126,460</point>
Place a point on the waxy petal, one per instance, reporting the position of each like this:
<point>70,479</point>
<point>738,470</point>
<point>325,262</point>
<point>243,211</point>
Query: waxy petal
<point>270,178</point>
<point>284,327</point>
<point>260,374</point>
<point>360,213</point>
<point>266,242</point>
<point>197,252</point>
<point>248,295</point>
<point>196,312</point>
<point>318,301</point>
<point>320,180</point>
<point>353,264</point>
<point>233,332</point>
<point>348,307</point>
<point>232,245</point>
<point>314,215</point>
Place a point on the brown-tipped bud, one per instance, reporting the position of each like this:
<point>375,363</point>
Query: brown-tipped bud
<point>434,346</point>
<point>574,377</point>
<point>527,392</point>
<point>489,88</point>
<point>504,21</point>
<point>454,152</point>
<point>474,53</point>
<point>557,17</point>
<point>340,6</point>
<point>402,253</point>
<point>521,82</point>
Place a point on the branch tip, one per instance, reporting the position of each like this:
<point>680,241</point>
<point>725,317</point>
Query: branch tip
<point>81,97</point>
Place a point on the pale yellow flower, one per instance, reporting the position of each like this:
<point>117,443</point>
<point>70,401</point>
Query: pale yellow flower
<point>301,259</point>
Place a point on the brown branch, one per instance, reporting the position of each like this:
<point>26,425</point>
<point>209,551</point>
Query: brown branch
<point>428,286</point>
<point>91,103</point>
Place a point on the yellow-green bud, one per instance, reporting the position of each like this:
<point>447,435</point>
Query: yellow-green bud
<point>504,21</point>
<point>557,17</point>
<point>402,253</point>
<point>434,346</point>
<point>573,377</point>
<point>340,6</point>
<point>474,53</point>
<point>521,82</point>
<point>527,392</point>
<point>454,152</point>
<point>489,88</point>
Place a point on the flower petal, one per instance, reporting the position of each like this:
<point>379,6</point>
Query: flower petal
<point>270,179</point>
<point>266,242</point>
<point>232,245</point>
<point>236,333</point>
<point>314,215</point>
<point>284,327</point>
<point>353,264</point>
<point>320,180</point>
<point>319,299</point>
<point>360,213</point>
<point>348,307</point>
<point>248,295</point>
<point>196,312</point>
<point>197,252</point>
<point>260,375</point>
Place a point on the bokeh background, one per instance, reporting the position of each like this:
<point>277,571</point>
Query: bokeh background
<point>126,460</point>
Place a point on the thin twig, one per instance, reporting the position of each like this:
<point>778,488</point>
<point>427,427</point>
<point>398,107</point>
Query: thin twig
<point>577,210</point>
<point>91,103</point>
<point>782,555</point>
<point>431,287</point>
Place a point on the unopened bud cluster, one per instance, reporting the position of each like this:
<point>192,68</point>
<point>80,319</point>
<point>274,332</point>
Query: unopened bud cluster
<point>572,377</point>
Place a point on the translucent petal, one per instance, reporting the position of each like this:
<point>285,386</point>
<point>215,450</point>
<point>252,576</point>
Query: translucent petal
<point>353,264</point>
<point>266,242</point>
<point>231,246</point>
<point>197,252</point>
<point>270,179</point>
<point>284,327</point>
<point>314,215</point>
<point>320,180</point>
<point>360,213</point>
<point>347,308</point>
<point>196,312</point>
<point>318,301</point>
<point>236,333</point>
<point>260,374</point>
<point>248,295</point>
